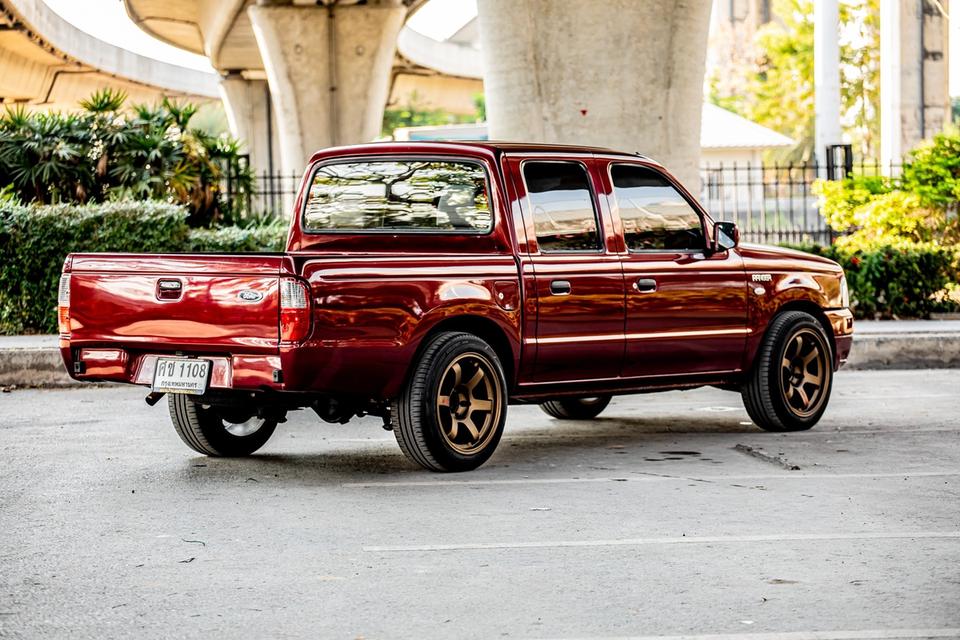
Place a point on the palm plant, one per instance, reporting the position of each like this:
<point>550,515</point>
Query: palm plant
<point>103,152</point>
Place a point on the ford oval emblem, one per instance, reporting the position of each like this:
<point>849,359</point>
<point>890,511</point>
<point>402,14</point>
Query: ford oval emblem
<point>249,295</point>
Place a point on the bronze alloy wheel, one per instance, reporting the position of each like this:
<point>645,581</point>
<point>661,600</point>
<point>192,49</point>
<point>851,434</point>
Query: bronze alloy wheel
<point>468,403</point>
<point>788,386</point>
<point>803,372</point>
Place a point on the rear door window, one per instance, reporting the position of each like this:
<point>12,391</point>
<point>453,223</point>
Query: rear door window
<point>564,215</point>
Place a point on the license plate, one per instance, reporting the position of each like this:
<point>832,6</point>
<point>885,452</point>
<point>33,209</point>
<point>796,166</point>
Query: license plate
<point>181,375</point>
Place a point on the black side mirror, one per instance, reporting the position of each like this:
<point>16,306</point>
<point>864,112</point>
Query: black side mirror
<point>726,236</point>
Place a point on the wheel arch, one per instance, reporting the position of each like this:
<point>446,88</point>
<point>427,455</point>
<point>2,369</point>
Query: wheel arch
<point>484,328</point>
<point>815,310</point>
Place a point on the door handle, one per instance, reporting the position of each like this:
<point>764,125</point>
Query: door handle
<point>560,287</point>
<point>645,285</point>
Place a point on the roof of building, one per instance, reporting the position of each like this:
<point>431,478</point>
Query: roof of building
<point>719,129</point>
<point>722,129</point>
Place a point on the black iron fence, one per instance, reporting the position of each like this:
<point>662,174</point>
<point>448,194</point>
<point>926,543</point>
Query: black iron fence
<point>263,195</point>
<point>770,203</point>
<point>776,203</point>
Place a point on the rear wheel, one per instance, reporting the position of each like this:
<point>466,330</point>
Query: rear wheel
<point>218,431</point>
<point>790,384</point>
<point>451,412</point>
<point>576,408</point>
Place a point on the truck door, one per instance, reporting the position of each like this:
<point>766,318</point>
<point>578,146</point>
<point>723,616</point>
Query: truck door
<point>686,309</point>
<point>578,280</point>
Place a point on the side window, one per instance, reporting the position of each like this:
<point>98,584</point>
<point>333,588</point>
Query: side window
<point>563,213</point>
<point>654,214</point>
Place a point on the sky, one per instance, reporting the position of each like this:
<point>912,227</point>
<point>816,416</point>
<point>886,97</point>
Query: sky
<point>439,19</point>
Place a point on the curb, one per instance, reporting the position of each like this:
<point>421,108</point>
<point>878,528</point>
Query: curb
<point>43,367</point>
<point>33,367</point>
<point>883,351</point>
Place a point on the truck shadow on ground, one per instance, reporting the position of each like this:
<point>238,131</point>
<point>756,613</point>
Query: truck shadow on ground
<point>610,443</point>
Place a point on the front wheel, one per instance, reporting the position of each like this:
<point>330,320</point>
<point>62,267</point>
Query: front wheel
<point>451,412</point>
<point>576,408</point>
<point>218,431</point>
<point>789,386</point>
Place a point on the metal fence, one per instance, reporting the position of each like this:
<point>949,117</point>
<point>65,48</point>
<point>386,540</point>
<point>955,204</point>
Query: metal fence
<point>775,203</point>
<point>770,203</point>
<point>268,195</point>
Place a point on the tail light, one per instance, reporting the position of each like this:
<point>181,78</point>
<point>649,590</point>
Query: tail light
<point>63,305</point>
<point>294,310</point>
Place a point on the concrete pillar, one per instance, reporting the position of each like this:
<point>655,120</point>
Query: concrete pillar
<point>826,78</point>
<point>329,72</point>
<point>914,75</point>
<point>614,73</point>
<point>249,113</point>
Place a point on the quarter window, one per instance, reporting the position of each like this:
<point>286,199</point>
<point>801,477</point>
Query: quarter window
<point>399,195</point>
<point>563,213</point>
<point>654,214</point>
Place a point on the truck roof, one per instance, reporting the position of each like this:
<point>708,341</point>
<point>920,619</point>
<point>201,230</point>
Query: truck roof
<point>491,146</point>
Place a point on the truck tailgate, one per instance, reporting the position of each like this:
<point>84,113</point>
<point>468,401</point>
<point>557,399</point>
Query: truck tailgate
<point>211,302</point>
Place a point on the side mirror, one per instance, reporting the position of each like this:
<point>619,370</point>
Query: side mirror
<point>726,236</point>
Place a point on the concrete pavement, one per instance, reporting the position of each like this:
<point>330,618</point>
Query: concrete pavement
<point>905,344</point>
<point>671,515</point>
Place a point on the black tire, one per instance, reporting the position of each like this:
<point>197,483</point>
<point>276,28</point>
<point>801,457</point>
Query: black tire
<point>785,391</point>
<point>576,408</point>
<point>435,419</point>
<point>214,432</point>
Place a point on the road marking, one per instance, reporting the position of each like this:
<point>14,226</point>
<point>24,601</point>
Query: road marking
<point>649,477</point>
<point>635,542</point>
<point>864,634</point>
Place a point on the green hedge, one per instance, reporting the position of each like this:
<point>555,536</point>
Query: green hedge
<point>238,239</point>
<point>907,280</point>
<point>35,239</point>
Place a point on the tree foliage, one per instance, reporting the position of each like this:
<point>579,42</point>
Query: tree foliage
<point>105,152</point>
<point>416,114</point>
<point>770,79</point>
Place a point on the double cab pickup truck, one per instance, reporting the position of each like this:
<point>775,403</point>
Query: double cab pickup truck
<point>434,284</point>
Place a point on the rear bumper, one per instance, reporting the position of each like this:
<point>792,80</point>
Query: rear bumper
<point>229,371</point>
<point>841,320</point>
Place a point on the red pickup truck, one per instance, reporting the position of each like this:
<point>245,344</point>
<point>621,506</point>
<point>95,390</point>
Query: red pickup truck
<point>433,284</point>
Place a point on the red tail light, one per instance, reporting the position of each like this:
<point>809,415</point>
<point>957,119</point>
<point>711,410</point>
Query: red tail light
<point>63,306</point>
<point>294,310</point>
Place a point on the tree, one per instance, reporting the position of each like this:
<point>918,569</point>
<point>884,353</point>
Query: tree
<point>771,81</point>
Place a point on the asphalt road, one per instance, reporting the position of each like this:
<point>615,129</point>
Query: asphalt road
<point>670,515</point>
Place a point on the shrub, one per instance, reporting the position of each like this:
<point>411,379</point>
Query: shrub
<point>238,239</point>
<point>933,172</point>
<point>922,205</point>
<point>905,280</point>
<point>34,240</point>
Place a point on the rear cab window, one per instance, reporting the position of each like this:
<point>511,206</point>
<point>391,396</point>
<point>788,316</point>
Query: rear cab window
<point>397,196</point>
<point>561,202</point>
<point>654,214</point>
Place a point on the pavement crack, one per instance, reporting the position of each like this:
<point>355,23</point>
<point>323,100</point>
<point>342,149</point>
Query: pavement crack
<point>760,454</point>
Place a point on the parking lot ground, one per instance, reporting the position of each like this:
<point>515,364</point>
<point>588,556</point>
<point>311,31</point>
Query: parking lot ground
<point>671,515</point>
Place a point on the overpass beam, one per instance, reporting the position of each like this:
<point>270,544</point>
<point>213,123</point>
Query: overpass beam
<point>614,73</point>
<point>249,113</point>
<point>329,71</point>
